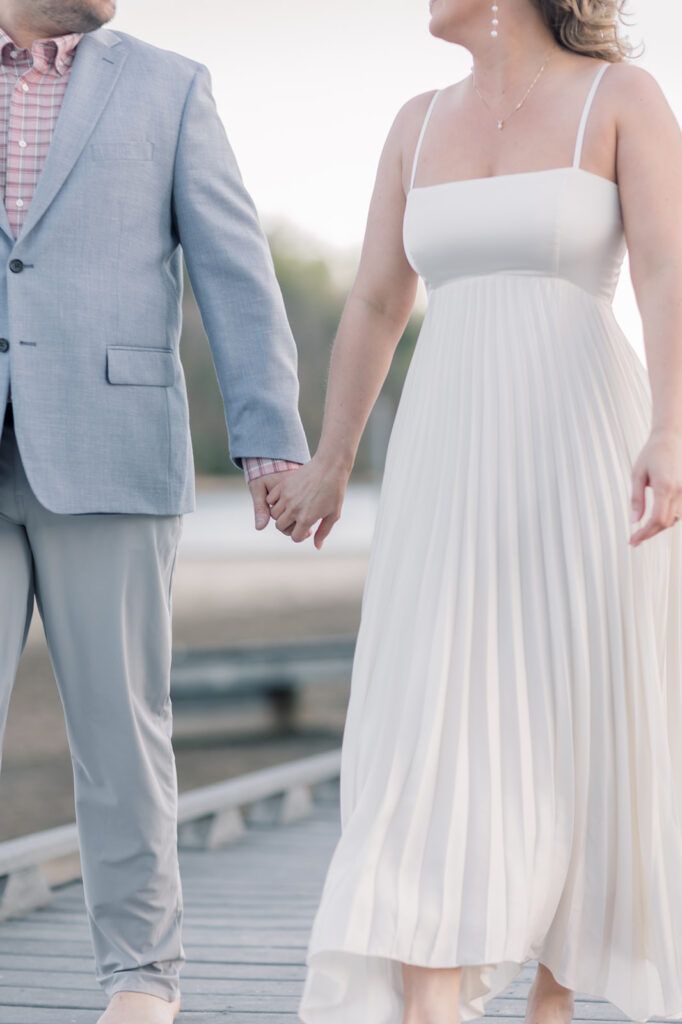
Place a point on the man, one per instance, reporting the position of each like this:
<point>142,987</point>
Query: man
<point>112,162</point>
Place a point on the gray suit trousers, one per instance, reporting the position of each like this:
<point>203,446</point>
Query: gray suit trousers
<point>103,588</point>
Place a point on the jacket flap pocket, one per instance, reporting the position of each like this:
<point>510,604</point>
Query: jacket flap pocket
<point>132,365</point>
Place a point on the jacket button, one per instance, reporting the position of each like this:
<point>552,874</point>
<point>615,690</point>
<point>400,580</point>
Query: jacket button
<point>16,266</point>
<point>4,345</point>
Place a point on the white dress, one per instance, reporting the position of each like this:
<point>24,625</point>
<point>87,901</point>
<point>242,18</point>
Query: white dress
<point>511,781</point>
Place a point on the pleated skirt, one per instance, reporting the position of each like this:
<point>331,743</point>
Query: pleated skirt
<point>511,782</point>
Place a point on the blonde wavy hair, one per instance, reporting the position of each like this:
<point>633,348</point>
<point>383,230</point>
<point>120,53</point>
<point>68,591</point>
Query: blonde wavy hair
<point>590,27</point>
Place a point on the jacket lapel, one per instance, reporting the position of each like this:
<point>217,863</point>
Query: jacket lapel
<point>97,65</point>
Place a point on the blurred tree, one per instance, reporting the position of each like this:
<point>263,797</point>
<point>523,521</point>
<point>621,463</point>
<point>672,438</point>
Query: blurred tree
<point>314,290</point>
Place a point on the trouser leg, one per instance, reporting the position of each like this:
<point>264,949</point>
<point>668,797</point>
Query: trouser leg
<point>103,585</point>
<point>16,577</point>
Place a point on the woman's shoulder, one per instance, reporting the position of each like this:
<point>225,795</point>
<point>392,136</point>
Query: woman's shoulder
<point>627,87</point>
<point>627,93</point>
<point>402,137</point>
<point>624,74</point>
<point>410,118</point>
<point>411,114</point>
<point>415,109</point>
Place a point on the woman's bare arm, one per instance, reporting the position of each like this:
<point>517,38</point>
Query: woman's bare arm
<point>374,318</point>
<point>650,183</point>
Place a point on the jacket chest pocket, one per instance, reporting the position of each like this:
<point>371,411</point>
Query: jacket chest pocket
<point>111,152</point>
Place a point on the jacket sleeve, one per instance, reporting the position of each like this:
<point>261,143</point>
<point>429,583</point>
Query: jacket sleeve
<point>230,266</point>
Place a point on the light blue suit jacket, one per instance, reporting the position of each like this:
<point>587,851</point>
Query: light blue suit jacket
<point>139,171</point>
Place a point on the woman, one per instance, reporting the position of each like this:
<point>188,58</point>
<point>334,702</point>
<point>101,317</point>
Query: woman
<point>511,783</point>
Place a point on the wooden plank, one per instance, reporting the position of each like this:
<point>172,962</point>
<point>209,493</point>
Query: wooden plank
<point>38,1015</point>
<point>501,1008</point>
<point>8,944</point>
<point>81,1000</point>
<point>243,900</point>
<point>203,953</point>
<point>225,983</point>
<point>41,1016</point>
<point>68,969</point>
<point>276,938</point>
<point>220,918</point>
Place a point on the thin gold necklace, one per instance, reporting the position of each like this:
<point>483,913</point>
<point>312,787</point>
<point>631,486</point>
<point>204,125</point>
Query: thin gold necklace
<point>501,121</point>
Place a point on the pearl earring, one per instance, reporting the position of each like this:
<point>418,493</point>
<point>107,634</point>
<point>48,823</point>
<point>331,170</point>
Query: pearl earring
<point>495,20</point>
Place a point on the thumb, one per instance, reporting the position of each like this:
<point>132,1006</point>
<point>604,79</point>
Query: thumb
<point>639,480</point>
<point>261,509</point>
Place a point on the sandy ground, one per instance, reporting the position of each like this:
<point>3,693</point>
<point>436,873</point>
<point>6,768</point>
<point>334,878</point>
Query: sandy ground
<point>216,602</point>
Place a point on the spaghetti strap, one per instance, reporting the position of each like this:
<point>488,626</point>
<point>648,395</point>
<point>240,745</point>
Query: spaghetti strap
<point>421,135</point>
<point>586,111</point>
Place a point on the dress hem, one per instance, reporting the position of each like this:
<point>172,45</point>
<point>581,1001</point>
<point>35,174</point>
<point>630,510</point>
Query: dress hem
<point>473,1006</point>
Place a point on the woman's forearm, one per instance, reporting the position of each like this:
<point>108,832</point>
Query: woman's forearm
<point>361,358</point>
<point>660,304</point>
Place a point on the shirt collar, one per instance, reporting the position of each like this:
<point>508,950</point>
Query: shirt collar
<point>48,54</point>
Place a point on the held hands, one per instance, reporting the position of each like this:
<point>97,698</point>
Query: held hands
<point>659,465</point>
<point>297,499</point>
<point>259,493</point>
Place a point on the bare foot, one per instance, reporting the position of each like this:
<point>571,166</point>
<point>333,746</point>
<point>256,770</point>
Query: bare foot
<point>139,1008</point>
<point>548,1001</point>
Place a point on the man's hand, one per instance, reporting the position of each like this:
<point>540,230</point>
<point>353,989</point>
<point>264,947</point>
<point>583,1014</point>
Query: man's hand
<point>260,488</point>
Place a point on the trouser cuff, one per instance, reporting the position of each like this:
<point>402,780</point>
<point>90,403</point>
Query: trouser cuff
<point>144,980</point>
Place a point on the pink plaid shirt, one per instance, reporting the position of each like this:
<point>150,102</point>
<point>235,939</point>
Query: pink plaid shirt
<point>32,87</point>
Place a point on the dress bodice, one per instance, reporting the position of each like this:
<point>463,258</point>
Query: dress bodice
<point>563,222</point>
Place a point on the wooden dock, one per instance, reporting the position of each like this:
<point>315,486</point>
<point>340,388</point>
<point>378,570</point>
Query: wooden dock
<point>248,911</point>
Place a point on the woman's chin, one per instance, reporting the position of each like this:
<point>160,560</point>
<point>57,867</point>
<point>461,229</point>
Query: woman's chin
<point>435,26</point>
<point>438,23</point>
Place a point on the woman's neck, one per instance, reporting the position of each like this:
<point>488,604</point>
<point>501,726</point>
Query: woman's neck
<point>504,62</point>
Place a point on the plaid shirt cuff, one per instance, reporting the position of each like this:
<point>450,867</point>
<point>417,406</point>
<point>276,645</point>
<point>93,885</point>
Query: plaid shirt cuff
<point>255,467</point>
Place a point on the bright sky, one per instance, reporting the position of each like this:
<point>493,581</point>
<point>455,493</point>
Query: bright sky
<point>308,90</point>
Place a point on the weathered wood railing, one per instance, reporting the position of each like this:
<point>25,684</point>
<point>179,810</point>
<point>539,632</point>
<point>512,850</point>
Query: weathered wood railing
<point>208,818</point>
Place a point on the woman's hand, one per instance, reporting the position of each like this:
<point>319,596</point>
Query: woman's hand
<point>659,465</point>
<point>313,492</point>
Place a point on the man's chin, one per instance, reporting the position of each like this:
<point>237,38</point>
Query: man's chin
<point>94,19</point>
<point>79,15</point>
